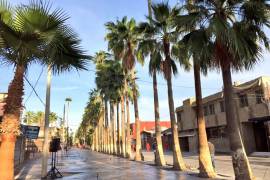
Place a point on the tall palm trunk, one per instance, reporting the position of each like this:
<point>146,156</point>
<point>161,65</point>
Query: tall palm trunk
<point>113,144</point>
<point>97,139</point>
<point>102,133</point>
<point>240,161</point>
<point>178,161</point>
<point>123,126</point>
<point>128,144</point>
<point>93,141</point>
<point>106,127</point>
<point>114,133</point>
<point>11,124</point>
<point>107,140</point>
<point>118,131</point>
<point>159,156</point>
<point>138,156</point>
<point>103,138</point>
<point>205,163</point>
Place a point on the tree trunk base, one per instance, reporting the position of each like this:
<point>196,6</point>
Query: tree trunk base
<point>7,149</point>
<point>138,157</point>
<point>178,162</point>
<point>204,174</point>
<point>159,157</point>
<point>206,167</point>
<point>241,166</point>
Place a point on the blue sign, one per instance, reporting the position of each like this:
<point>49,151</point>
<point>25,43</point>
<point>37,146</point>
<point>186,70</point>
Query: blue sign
<point>31,132</point>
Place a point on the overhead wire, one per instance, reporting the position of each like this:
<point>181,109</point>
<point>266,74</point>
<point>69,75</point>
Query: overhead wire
<point>34,90</point>
<point>34,87</point>
<point>177,86</point>
<point>163,84</point>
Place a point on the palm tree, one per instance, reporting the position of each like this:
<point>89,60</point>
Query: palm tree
<point>99,60</point>
<point>93,116</point>
<point>128,98</point>
<point>234,30</point>
<point>110,81</point>
<point>36,30</point>
<point>161,33</point>
<point>150,46</point>
<point>128,137</point>
<point>192,45</point>
<point>118,129</point>
<point>186,49</point>
<point>122,40</point>
<point>113,135</point>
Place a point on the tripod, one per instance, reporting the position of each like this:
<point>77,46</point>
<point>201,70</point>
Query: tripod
<point>54,173</point>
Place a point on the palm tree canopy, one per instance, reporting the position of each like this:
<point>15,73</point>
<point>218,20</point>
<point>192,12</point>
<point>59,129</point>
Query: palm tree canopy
<point>160,28</point>
<point>233,27</point>
<point>197,45</point>
<point>93,108</point>
<point>100,57</point>
<point>68,99</point>
<point>148,45</point>
<point>110,79</point>
<point>39,34</point>
<point>122,39</point>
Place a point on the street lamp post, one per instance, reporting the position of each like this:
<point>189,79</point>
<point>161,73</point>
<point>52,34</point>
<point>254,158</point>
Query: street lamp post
<point>68,100</point>
<point>63,125</point>
<point>45,152</point>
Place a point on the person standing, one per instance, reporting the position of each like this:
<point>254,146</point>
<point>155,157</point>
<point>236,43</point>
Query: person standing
<point>147,147</point>
<point>212,153</point>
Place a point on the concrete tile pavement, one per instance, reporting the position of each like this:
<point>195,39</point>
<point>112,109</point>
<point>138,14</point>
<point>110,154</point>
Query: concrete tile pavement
<point>259,165</point>
<point>84,164</point>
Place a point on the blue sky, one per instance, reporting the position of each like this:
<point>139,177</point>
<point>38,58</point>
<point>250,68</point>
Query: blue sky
<point>87,19</point>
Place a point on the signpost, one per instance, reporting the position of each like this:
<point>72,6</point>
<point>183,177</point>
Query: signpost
<point>31,132</point>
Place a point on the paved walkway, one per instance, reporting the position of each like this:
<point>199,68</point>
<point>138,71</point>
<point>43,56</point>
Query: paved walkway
<point>87,165</point>
<point>260,165</point>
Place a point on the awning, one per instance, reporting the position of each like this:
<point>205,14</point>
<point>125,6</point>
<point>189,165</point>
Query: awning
<point>186,134</point>
<point>260,119</point>
<point>150,131</point>
<point>180,134</point>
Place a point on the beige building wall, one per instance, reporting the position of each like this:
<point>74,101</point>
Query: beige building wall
<point>187,121</point>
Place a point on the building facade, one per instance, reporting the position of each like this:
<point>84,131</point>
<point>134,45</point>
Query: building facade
<point>252,104</point>
<point>147,130</point>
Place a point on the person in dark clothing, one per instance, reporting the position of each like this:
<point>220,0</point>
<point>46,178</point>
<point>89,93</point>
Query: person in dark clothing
<point>212,153</point>
<point>154,145</point>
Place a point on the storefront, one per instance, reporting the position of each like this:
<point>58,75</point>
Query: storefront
<point>261,127</point>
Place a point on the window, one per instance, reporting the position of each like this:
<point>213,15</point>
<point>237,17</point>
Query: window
<point>216,132</point>
<point>243,100</point>
<point>211,109</point>
<point>259,96</point>
<point>222,106</point>
<point>179,116</point>
<point>205,110</point>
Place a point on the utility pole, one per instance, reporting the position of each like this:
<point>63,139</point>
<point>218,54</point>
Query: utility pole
<point>45,151</point>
